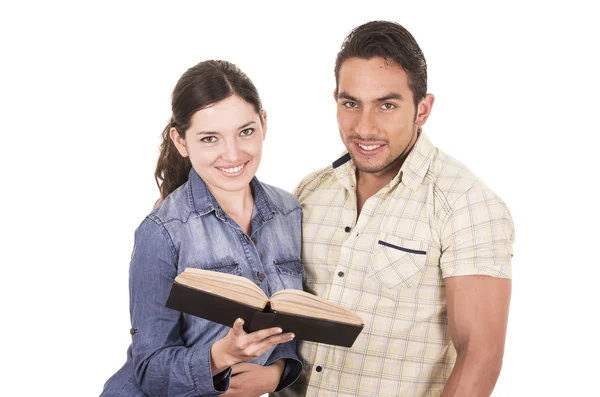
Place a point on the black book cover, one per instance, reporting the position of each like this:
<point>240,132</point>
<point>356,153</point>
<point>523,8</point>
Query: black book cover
<point>225,311</point>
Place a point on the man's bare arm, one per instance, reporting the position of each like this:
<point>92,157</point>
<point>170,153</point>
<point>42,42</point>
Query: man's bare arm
<point>477,320</point>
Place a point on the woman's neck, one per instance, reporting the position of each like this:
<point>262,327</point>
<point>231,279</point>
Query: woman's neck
<point>237,205</point>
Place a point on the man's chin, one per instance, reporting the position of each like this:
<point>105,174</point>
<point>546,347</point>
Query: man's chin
<point>369,167</point>
<point>371,170</point>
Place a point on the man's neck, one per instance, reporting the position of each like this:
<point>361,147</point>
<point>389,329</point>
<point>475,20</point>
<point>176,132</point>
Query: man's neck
<point>368,184</point>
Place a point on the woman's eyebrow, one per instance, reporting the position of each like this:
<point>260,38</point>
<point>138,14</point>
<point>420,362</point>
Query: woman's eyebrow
<point>218,133</point>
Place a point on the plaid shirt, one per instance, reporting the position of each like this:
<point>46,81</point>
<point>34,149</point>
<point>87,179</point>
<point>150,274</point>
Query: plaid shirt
<point>435,219</point>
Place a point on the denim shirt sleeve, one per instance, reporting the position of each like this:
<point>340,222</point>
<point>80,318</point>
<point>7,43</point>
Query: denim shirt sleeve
<point>163,365</point>
<point>293,366</point>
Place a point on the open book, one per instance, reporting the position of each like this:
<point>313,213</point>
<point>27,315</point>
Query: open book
<point>223,297</point>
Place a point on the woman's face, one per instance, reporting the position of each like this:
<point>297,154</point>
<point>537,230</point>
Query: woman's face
<point>224,144</point>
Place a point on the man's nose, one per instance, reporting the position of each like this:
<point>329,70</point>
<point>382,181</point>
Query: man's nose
<point>366,124</point>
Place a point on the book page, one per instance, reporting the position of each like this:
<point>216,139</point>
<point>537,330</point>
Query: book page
<point>230,286</point>
<point>305,304</point>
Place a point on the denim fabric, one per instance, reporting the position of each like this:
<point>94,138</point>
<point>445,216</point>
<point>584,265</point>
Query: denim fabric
<point>170,351</point>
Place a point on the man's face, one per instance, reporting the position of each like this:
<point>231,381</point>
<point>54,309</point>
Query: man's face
<point>376,114</point>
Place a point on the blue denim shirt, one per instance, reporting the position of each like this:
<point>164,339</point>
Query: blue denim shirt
<point>170,351</point>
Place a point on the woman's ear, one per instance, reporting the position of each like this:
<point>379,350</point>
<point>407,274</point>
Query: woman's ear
<point>263,121</point>
<point>179,142</point>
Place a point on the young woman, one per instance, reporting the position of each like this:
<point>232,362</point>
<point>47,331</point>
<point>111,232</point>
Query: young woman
<point>213,214</point>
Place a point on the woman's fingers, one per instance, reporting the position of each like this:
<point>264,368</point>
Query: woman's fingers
<point>238,328</point>
<point>247,346</point>
<point>262,334</point>
<point>262,345</point>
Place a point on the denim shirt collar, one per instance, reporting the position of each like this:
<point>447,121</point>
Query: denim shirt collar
<point>203,202</point>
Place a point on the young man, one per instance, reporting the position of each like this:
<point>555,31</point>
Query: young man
<point>405,236</point>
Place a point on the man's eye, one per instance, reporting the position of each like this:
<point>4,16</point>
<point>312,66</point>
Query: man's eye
<point>388,106</point>
<point>246,132</point>
<point>350,104</point>
<point>209,139</point>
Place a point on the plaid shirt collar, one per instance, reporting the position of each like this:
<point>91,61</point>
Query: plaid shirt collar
<point>411,173</point>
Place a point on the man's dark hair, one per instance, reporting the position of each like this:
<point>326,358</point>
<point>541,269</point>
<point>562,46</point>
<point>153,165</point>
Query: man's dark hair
<point>391,41</point>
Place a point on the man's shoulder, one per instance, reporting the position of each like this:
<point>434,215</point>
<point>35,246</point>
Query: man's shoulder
<point>322,177</point>
<point>454,182</point>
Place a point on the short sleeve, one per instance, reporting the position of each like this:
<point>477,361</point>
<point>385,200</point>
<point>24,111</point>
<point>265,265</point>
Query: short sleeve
<point>477,236</point>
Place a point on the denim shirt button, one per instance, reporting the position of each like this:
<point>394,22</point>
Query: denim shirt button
<point>261,276</point>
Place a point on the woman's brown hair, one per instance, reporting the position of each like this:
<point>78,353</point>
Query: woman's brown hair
<point>204,84</point>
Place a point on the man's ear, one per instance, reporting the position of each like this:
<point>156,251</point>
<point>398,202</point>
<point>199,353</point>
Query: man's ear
<point>179,142</point>
<point>424,110</point>
<point>335,94</point>
<point>263,120</point>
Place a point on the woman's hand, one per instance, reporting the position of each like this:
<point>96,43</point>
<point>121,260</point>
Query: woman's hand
<point>253,380</point>
<point>238,346</point>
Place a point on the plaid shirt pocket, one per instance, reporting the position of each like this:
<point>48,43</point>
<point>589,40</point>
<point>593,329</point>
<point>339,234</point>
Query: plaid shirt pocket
<point>398,262</point>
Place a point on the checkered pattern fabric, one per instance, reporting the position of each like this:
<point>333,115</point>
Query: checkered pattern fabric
<point>435,219</point>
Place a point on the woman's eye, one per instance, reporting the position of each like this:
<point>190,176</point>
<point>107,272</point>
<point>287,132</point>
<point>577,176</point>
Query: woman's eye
<point>388,106</point>
<point>246,132</point>
<point>349,104</point>
<point>209,139</point>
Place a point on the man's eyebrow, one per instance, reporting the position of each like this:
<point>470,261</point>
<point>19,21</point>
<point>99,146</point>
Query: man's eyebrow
<point>390,96</point>
<point>218,133</point>
<point>387,97</point>
<point>345,95</point>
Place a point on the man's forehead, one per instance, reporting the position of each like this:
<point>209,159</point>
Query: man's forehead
<point>373,62</point>
<point>375,75</point>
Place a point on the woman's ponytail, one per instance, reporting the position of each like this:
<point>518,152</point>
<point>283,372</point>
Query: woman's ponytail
<point>172,168</point>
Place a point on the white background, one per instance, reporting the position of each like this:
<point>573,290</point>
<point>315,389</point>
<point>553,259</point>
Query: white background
<point>85,92</point>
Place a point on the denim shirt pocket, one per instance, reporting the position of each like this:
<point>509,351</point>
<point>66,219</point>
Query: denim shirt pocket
<point>398,262</point>
<point>290,272</point>
<point>223,266</point>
